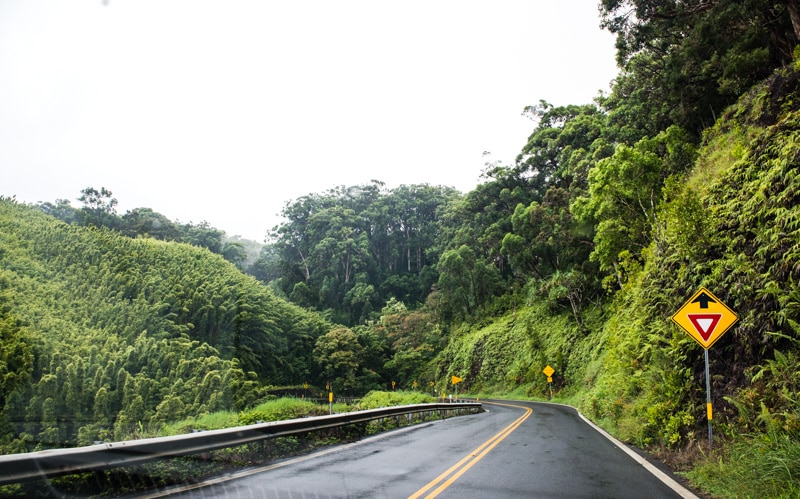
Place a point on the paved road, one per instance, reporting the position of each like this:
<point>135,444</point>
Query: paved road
<point>514,450</point>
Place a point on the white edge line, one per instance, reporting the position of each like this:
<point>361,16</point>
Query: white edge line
<point>666,479</point>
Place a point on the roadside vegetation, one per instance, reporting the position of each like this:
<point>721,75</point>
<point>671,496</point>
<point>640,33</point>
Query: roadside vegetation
<point>686,175</point>
<point>166,473</point>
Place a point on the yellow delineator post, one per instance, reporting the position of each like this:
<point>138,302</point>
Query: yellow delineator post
<point>705,318</point>
<point>549,371</point>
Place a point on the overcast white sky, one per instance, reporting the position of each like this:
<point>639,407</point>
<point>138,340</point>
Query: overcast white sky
<point>222,111</point>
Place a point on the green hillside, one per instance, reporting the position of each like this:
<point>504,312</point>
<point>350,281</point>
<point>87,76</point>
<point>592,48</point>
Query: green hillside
<point>730,224</point>
<point>104,336</point>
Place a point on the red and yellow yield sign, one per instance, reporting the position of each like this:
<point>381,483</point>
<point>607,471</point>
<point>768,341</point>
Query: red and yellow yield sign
<point>705,318</point>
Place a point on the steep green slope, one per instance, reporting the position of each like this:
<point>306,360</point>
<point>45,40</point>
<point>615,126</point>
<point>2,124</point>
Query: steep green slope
<point>732,224</point>
<point>105,336</point>
<point>510,353</point>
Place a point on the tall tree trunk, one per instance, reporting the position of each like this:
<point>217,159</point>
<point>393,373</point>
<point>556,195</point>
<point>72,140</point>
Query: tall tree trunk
<point>618,273</point>
<point>794,15</point>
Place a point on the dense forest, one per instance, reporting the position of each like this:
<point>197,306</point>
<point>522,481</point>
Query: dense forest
<point>575,256</point>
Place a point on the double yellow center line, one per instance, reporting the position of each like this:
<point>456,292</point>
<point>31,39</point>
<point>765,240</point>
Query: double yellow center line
<point>454,472</point>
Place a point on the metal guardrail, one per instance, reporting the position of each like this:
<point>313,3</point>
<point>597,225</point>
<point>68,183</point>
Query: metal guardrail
<point>16,468</point>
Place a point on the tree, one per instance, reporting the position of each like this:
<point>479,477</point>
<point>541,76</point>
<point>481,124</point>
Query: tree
<point>625,191</point>
<point>16,352</point>
<point>545,237</point>
<point>99,208</point>
<point>234,252</point>
<point>267,267</point>
<point>415,338</point>
<point>172,408</point>
<point>146,222</point>
<point>566,142</point>
<point>571,287</point>
<point>685,61</point>
<point>353,247</point>
<point>465,283</point>
<point>338,353</point>
<point>358,300</point>
<point>203,235</point>
<point>62,210</point>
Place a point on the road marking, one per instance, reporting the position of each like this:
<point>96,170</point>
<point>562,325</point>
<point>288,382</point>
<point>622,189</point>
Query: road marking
<point>665,479</point>
<point>454,472</point>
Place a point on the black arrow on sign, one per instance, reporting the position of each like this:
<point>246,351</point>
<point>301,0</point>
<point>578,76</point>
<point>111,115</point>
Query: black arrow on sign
<point>704,300</point>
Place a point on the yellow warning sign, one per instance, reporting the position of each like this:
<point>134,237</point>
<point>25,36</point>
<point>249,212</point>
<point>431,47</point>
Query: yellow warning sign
<point>548,371</point>
<point>705,318</point>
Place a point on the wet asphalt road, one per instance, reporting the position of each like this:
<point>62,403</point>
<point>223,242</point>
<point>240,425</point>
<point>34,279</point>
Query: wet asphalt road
<point>513,450</point>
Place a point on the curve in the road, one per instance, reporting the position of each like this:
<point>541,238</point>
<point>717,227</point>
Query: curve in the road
<point>451,474</point>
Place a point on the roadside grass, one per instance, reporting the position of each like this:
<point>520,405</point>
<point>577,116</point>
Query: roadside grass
<point>281,409</point>
<point>211,421</point>
<point>752,467</point>
<point>285,408</point>
<point>377,399</point>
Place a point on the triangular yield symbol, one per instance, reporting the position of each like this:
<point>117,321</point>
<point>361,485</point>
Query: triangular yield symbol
<point>705,323</point>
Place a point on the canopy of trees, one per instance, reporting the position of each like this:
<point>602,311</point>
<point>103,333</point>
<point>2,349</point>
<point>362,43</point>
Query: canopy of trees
<point>346,252</point>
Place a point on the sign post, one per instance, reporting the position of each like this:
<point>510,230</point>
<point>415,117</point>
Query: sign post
<point>705,318</point>
<point>548,371</point>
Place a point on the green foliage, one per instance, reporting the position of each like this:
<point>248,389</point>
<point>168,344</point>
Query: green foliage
<point>685,62</point>
<point>466,282</point>
<point>762,465</point>
<point>412,339</point>
<point>348,251</point>
<point>625,193</point>
<point>280,410</point>
<point>668,218</point>
<point>545,238</point>
<point>512,351</point>
<point>566,143</point>
<point>99,210</point>
<point>378,399</point>
<point>339,355</point>
<point>106,336</point>
<point>730,227</point>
